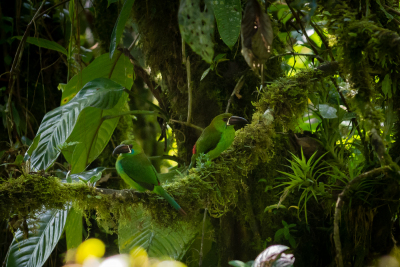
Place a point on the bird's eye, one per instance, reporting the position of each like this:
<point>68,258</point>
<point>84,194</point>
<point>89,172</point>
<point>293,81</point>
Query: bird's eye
<point>130,146</point>
<point>225,119</point>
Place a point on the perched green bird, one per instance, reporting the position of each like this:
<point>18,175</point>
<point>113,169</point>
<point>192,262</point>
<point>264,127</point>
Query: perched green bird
<point>137,171</point>
<point>216,137</point>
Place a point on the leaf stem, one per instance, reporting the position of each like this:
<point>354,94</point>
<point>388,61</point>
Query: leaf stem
<point>202,238</point>
<point>235,91</point>
<point>190,97</point>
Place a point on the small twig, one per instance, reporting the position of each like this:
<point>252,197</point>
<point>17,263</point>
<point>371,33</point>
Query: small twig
<point>183,52</point>
<point>133,43</point>
<point>262,76</point>
<point>393,10</point>
<point>188,124</point>
<point>235,91</point>
<point>132,112</point>
<point>339,204</point>
<point>202,238</point>
<point>114,64</point>
<point>189,117</point>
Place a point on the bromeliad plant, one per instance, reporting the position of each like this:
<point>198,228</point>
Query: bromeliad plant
<point>305,178</point>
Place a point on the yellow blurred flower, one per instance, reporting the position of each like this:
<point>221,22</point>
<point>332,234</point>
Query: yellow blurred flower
<point>139,257</point>
<point>92,247</point>
<point>169,264</point>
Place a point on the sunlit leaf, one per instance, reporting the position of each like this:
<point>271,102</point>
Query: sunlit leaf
<point>58,124</point>
<point>327,112</point>
<point>229,17</point>
<point>204,74</point>
<point>120,25</point>
<point>43,237</point>
<point>44,43</point>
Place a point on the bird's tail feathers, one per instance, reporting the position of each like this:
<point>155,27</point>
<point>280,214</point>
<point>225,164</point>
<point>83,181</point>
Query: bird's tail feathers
<point>159,190</point>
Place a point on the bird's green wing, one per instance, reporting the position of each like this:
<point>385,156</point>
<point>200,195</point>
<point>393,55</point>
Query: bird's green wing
<point>208,140</point>
<point>140,170</point>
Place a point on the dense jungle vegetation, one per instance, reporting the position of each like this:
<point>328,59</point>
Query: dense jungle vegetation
<point>315,169</point>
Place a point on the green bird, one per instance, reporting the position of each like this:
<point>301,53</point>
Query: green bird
<point>216,137</point>
<point>137,171</point>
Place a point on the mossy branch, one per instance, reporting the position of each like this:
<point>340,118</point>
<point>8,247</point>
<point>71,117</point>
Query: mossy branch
<point>214,187</point>
<point>198,190</point>
<point>288,97</point>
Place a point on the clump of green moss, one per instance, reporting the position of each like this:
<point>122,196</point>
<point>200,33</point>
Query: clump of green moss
<point>214,186</point>
<point>287,98</point>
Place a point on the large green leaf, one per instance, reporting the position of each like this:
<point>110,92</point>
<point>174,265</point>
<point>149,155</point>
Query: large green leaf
<point>229,18</point>
<point>120,25</point>
<point>197,28</point>
<point>92,135</point>
<point>122,73</point>
<point>34,251</point>
<point>58,124</point>
<point>73,229</point>
<point>158,241</point>
<point>44,43</point>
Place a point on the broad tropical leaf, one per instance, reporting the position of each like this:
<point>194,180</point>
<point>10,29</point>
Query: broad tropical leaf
<point>122,73</point>
<point>43,237</point>
<point>120,25</point>
<point>158,242</point>
<point>44,43</point>
<point>229,17</point>
<point>197,28</point>
<point>58,124</point>
<point>91,134</point>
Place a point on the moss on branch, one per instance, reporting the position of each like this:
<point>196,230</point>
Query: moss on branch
<point>287,98</point>
<point>216,185</point>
